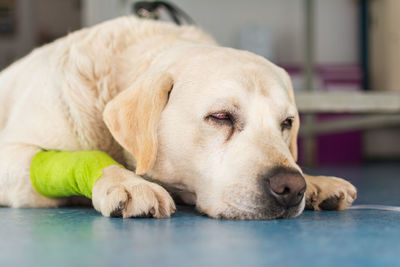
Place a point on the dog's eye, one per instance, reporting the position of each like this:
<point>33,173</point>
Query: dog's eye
<point>287,124</point>
<point>223,118</point>
<point>220,116</point>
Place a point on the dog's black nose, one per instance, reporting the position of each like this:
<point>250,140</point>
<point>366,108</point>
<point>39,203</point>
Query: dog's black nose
<point>287,186</point>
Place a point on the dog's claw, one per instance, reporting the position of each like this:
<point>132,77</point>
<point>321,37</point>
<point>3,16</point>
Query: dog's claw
<point>152,211</point>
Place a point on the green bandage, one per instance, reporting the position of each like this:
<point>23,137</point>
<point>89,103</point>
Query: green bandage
<point>64,173</point>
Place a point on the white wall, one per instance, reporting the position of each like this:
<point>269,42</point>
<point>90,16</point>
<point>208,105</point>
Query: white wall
<point>335,24</point>
<point>95,11</point>
<point>58,16</point>
<point>336,31</point>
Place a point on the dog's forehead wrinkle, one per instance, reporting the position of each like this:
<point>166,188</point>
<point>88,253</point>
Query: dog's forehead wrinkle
<point>226,103</point>
<point>269,82</point>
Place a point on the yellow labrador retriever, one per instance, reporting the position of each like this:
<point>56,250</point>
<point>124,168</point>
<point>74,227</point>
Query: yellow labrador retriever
<point>215,126</point>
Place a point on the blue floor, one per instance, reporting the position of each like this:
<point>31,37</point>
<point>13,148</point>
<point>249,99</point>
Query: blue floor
<point>81,237</point>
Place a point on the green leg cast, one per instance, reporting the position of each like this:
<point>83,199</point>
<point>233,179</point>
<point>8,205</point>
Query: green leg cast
<point>64,173</point>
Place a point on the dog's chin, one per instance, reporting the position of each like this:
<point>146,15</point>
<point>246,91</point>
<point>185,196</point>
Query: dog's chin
<point>238,214</point>
<point>239,204</point>
<point>232,211</point>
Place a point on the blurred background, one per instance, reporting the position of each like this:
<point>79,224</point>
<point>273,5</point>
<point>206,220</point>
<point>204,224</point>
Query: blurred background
<point>350,46</point>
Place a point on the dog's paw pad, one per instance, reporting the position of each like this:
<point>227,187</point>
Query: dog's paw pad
<point>117,212</point>
<point>330,203</point>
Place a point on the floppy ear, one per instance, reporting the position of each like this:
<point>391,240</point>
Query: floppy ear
<point>132,117</point>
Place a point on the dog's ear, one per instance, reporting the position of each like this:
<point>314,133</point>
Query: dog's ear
<point>132,117</point>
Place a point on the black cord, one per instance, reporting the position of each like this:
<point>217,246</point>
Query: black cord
<point>151,10</point>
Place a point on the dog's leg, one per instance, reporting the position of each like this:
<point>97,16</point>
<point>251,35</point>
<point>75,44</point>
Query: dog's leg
<point>328,193</point>
<point>118,192</point>
<point>15,184</point>
<point>121,193</point>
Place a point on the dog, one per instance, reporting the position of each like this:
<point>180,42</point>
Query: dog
<point>212,126</point>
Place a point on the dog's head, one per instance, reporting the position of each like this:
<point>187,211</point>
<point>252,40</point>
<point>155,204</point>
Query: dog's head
<point>220,124</point>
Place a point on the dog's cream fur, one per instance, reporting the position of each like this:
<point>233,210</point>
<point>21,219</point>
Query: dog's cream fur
<point>109,88</point>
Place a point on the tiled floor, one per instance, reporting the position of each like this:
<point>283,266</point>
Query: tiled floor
<point>81,237</point>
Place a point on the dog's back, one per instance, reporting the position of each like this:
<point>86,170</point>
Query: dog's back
<point>58,91</point>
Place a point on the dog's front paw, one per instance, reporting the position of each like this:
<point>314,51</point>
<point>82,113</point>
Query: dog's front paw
<point>120,193</point>
<point>329,193</point>
<point>142,199</point>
